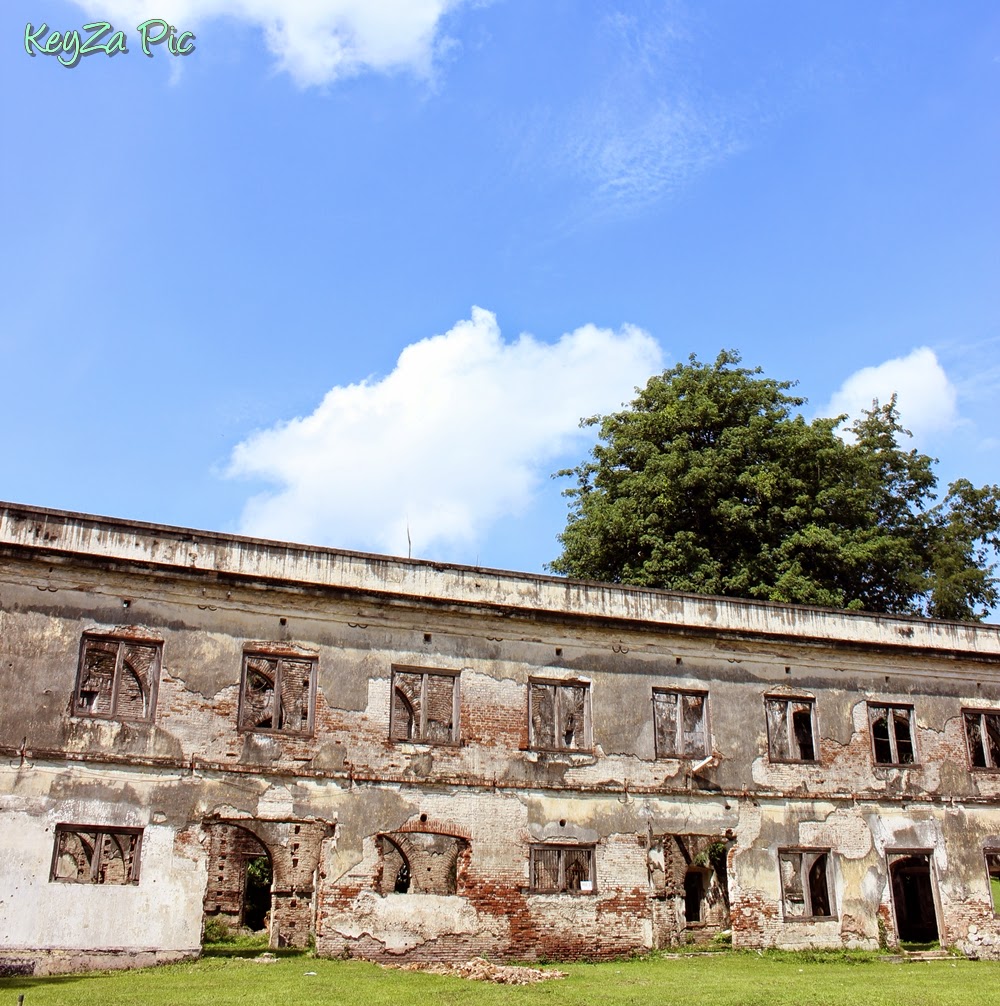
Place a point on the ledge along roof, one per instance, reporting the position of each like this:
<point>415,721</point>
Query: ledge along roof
<point>27,531</point>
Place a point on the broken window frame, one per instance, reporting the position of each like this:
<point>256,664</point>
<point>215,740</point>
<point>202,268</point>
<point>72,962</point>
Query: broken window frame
<point>993,870</point>
<point>789,735</point>
<point>679,750</point>
<point>562,854</point>
<point>98,858</point>
<point>892,711</point>
<point>281,658</point>
<point>87,641</point>
<point>419,732</point>
<point>809,859</point>
<point>559,688</point>
<point>988,740</point>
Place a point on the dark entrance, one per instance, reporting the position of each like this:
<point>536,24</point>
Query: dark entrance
<point>913,897</point>
<point>694,896</point>
<point>257,893</point>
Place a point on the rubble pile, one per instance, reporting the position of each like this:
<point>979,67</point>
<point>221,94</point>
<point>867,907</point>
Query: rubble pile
<point>482,970</point>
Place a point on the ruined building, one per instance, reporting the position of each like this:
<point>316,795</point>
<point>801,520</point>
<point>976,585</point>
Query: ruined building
<point>401,759</point>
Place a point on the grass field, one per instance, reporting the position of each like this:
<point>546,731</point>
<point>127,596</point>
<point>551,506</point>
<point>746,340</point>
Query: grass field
<point>724,980</point>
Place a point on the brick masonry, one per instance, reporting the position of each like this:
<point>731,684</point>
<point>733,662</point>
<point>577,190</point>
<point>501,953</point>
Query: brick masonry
<point>422,848</point>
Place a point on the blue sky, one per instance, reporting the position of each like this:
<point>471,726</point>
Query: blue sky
<point>348,269</point>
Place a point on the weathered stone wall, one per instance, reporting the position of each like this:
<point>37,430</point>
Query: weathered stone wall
<point>341,807</point>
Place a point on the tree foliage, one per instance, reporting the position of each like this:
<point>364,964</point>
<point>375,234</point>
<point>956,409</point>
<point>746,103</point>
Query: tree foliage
<point>711,481</point>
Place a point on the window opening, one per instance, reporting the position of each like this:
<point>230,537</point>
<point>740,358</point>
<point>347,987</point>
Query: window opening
<point>425,706</point>
<point>892,734</point>
<point>993,873</point>
<point>277,693</point>
<point>560,869</point>
<point>89,855</point>
<point>679,726</point>
<point>395,868</point>
<point>982,731</point>
<point>559,715</point>
<point>117,678</point>
<point>805,885</point>
<point>790,733</point>
<point>402,882</point>
<point>418,862</point>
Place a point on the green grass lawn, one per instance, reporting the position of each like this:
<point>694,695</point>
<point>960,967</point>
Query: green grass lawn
<point>737,979</point>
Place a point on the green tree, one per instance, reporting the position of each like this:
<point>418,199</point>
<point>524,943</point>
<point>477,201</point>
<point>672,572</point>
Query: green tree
<point>711,481</point>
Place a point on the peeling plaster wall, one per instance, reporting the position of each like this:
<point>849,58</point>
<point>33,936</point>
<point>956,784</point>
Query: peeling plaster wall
<point>161,911</point>
<point>321,801</point>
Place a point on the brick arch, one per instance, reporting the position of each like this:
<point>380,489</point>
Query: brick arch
<point>435,827</point>
<point>431,860</point>
<point>294,848</point>
<point>231,847</point>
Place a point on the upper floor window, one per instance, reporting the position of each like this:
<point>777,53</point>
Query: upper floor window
<point>680,726</point>
<point>559,715</point>
<point>805,883</point>
<point>562,869</point>
<point>982,731</point>
<point>892,734</point>
<point>277,692</point>
<point>425,706</point>
<point>791,728</point>
<point>117,677</point>
<point>86,854</point>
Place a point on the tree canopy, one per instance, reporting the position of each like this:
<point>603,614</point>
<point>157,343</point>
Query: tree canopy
<point>711,481</point>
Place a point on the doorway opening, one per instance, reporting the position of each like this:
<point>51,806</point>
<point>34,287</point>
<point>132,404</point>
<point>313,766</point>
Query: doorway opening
<point>257,893</point>
<point>240,878</point>
<point>695,888</point>
<point>913,898</point>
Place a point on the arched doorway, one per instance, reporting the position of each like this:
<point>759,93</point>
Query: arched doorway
<point>240,878</point>
<point>913,898</point>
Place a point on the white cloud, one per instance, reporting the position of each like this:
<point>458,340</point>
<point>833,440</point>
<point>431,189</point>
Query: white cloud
<point>459,435</point>
<point>634,159</point>
<point>927,399</point>
<point>641,131</point>
<point>316,41</point>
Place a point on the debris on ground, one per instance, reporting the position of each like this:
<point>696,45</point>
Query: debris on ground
<point>481,970</point>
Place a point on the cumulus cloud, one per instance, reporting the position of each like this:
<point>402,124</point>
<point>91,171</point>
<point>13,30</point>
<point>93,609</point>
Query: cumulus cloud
<point>459,435</point>
<point>316,41</point>
<point>926,397</point>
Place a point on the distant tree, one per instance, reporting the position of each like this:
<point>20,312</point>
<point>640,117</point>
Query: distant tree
<point>711,481</point>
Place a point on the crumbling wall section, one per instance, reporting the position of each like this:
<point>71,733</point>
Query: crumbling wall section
<point>493,909</point>
<point>569,824</point>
